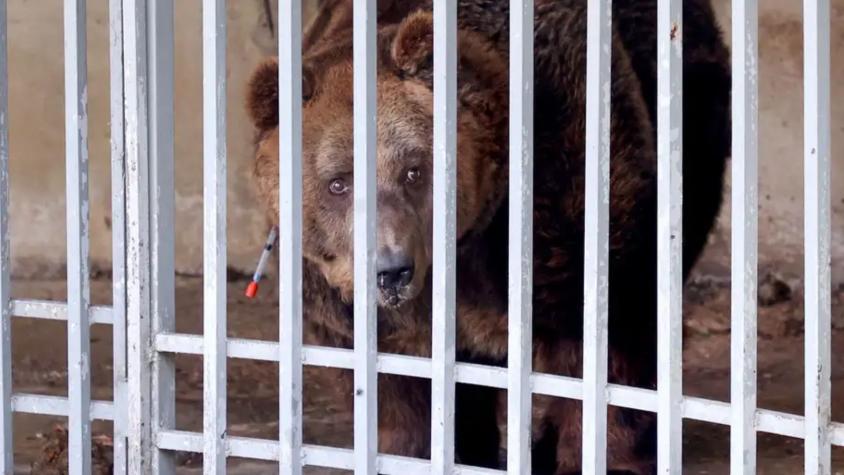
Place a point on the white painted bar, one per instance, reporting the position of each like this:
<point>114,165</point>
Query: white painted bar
<point>6,434</point>
<point>48,310</point>
<point>444,317</point>
<point>745,205</point>
<point>313,455</point>
<point>160,45</point>
<point>836,433</point>
<point>817,230</point>
<point>58,406</point>
<point>214,236</point>
<point>290,241</point>
<point>118,235</point>
<point>138,312</point>
<point>669,235</point>
<point>716,412</point>
<point>520,259</point>
<point>596,235</point>
<point>365,311</point>
<point>77,209</point>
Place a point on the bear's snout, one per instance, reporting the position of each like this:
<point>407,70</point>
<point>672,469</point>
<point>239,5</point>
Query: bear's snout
<point>394,271</point>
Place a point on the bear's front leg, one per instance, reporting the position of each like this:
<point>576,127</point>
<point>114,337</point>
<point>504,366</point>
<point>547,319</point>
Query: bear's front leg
<point>404,416</point>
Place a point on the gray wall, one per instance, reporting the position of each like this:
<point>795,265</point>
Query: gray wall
<point>36,121</point>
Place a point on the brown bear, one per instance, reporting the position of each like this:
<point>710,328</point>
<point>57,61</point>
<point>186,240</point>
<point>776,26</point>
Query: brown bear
<point>404,165</point>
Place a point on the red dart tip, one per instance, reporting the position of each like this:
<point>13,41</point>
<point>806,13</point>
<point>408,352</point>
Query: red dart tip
<point>252,289</point>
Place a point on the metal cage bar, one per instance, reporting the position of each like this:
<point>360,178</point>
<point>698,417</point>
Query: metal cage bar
<point>142,312</point>
<point>6,435</point>
<point>138,299</point>
<point>77,208</point>
<point>596,235</point>
<point>669,234</point>
<point>214,235</point>
<point>160,42</point>
<point>444,317</point>
<point>744,227</point>
<point>365,312</point>
<point>520,259</point>
<point>818,292</point>
<point>118,233</point>
<point>290,242</point>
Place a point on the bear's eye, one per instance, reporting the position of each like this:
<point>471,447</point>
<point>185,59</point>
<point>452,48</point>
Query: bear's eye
<point>413,176</point>
<point>338,186</point>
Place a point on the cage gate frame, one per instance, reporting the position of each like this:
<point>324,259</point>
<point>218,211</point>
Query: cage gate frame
<point>143,313</point>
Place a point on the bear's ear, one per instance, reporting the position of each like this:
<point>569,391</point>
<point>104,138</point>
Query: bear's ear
<point>413,46</point>
<point>262,95</point>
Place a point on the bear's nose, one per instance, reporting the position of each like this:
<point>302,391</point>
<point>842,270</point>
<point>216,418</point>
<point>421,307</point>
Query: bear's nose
<point>394,271</point>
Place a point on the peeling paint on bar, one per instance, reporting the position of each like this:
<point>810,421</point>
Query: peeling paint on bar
<point>818,291</point>
<point>117,314</point>
<point>77,209</point>
<point>744,237</point>
<point>669,235</point>
<point>6,434</point>
<point>49,310</point>
<point>138,312</point>
<point>520,258</point>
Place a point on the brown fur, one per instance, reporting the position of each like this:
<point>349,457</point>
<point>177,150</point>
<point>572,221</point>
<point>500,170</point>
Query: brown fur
<point>404,133</point>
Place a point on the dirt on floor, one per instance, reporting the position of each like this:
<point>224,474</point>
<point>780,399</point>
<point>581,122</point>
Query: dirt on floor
<point>39,366</point>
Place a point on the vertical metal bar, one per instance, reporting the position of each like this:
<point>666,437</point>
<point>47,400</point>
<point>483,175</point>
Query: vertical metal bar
<point>6,436</point>
<point>162,197</point>
<point>365,312</point>
<point>77,208</point>
<point>816,74</point>
<point>520,259</point>
<point>445,221</point>
<point>214,235</point>
<point>290,242</point>
<point>118,233</point>
<point>744,237</point>
<point>138,238</point>
<point>596,239</point>
<point>669,234</point>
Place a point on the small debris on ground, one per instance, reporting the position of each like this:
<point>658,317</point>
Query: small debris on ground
<point>773,290</point>
<point>53,460</point>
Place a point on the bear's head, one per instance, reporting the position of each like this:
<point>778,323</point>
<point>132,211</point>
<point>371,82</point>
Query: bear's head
<point>404,151</point>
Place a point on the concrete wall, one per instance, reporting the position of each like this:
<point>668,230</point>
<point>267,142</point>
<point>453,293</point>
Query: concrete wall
<point>781,142</point>
<point>37,164</point>
<point>37,133</point>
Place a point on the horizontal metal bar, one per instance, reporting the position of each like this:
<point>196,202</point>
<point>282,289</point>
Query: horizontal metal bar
<point>836,433</point>
<point>312,455</point>
<point>49,310</point>
<point>58,406</point>
<point>699,409</point>
<point>481,375</point>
